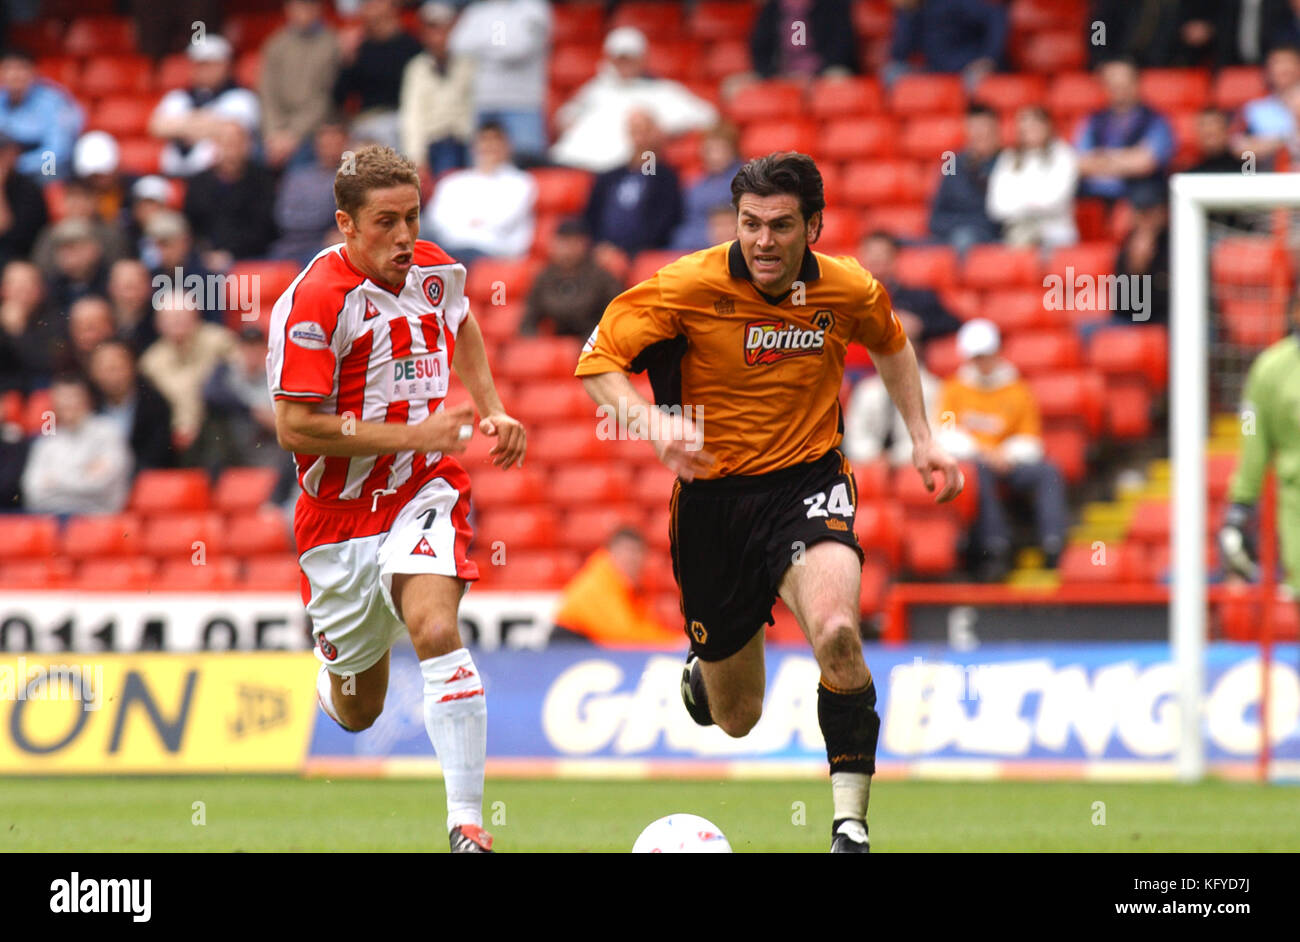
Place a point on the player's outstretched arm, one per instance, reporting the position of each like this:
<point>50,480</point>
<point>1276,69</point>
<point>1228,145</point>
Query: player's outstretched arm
<point>304,431</point>
<point>615,393</point>
<point>899,373</point>
<point>471,365</point>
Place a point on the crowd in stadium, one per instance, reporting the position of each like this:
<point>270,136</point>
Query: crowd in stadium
<point>969,148</point>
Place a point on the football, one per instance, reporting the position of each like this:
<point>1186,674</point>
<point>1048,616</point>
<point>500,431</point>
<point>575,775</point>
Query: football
<point>681,834</point>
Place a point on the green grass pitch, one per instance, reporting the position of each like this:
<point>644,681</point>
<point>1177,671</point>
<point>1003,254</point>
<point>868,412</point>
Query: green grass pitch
<point>277,813</point>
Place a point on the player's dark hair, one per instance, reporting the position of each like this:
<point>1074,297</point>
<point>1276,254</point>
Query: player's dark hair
<point>981,111</point>
<point>493,127</point>
<point>789,172</point>
<point>880,235</point>
<point>70,378</point>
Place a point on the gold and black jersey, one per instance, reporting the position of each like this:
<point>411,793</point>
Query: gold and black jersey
<point>762,374</point>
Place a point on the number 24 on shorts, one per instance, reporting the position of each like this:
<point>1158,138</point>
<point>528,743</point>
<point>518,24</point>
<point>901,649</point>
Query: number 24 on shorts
<point>838,504</point>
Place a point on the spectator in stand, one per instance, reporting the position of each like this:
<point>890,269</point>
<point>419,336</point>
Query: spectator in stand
<point>90,323</point>
<point>1144,257</point>
<point>304,203</point>
<point>134,404</point>
<point>300,62</point>
<point>79,267</point>
<point>570,294</point>
<point>180,362</point>
<point>604,602</point>
<point>959,213</point>
<point>873,426</point>
<point>997,425</point>
<point>804,38</point>
<point>178,262</point>
<point>29,336</point>
<point>22,205</point>
<point>1265,125</point>
<point>595,120</point>
<point>966,36</point>
<point>919,310</point>
<point>636,207</point>
<point>486,209</point>
<point>164,28</point>
<point>1031,188</point>
<point>148,195</point>
<point>83,466</point>
<point>372,72</point>
<point>722,224</point>
<point>40,117</point>
<point>510,44</point>
<point>188,118</point>
<point>1284,25</point>
<point>437,108</point>
<point>1124,145</point>
<point>231,205</point>
<point>131,295</point>
<point>79,203</point>
<point>95,162</point>
<point>720,155</point>
<point>1212,144</point>
<point>239,428</point>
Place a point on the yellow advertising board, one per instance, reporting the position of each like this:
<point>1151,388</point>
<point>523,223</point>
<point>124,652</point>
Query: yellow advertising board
<point>160,713</point>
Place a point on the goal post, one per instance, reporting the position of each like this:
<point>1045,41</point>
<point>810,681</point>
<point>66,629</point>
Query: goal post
<point>1192,196</point>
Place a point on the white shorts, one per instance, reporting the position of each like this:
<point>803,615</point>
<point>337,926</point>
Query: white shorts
<point>349,578</point>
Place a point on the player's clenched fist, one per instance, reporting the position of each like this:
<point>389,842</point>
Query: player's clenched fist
<point>510,436</point>
<point>678,446</point>
<point>442,430</point>
<point>929,458</point>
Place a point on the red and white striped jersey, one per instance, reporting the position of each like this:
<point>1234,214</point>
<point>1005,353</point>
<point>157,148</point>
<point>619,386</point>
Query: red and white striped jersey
<point>356,348</point>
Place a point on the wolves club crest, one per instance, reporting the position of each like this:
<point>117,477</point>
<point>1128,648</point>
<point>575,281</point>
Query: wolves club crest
<point>433,289</point>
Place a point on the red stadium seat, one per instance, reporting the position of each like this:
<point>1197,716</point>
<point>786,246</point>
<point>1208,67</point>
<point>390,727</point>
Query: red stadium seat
<point>1086,564</point>
<point>873,479</point>
<point>918,94</point>
<point>180,575</point>
<point>674,59</point>
<point>764,137</point>
<point>499,280</point>
<point>585,529</point>
<point>1171,90</point>
<point>855,138</point>
<point>21,574</point>
<point>62,70</point>
<point>193,535</point>
<point>997,266</point>
<point>1007,92</point>
<point>572,65</point>
<point>1136,351</point>
<point>257,532</point>
<point>1219,470</point>
<point>268,280</point>
<point>1085,258</point>
<point>901,220</point>
<point>561,189</point>
<point>247,31</point>
<point>530,570</point>
<point>1075,395</point>
<point>1072,94</point>
<point>118,574</point>
<point>941,356</point>
<point>1128,410</point>
<point>578,486</point>
<point>1237,84</point>
<point>727,57</point>
<point>175,71</point>
<point>122,115</point>
<point>27,536</point>
<point>655,20</point>
<point>875,585</point>
<point>243,489</point>
<point>1043,351</point>
<point>576,21</point>
<point>1254,322</point>
<point>772,100</point>
<point>115,75</point>
<point>869,184</point>
<point>714,20</point>
<point>248,69</point>
<point>1067,448</point>
<point>494,489</point>
<point>928,266</point>
<point>39,37</point>
<point>517,528</point>
<point>547,402</point>
<point>844,97</point>
<point>873,18</point>
<point>158,491</point>
<point>930,548</point>
<point>879,526</point>
<point>840,231</point>
<point>139,155</point>
<point>38,413</point>
<point>927,137</point>
<point>1052,52</point>
<point>560,445</point>
<point>1017,309</point>
<point>95,536</point>
<point>534,358</point>
<point>99,35</point>
<point>1150,522</point>
<point>278,572</point>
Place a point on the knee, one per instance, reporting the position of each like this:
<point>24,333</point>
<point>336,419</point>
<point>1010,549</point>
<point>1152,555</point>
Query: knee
<point>837,645</point>
<point>356,712</point>
<point>739,716</point>
<point>433,636</point>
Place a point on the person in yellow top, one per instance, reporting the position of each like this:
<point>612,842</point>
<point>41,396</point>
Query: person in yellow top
<point>745,345</point>
<point>603,601</point>
<point>988,413</point>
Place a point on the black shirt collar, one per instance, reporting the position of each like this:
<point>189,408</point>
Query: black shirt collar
<point>809,270</point>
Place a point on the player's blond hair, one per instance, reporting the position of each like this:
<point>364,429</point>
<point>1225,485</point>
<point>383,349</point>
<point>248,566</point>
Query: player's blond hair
<point>373,167</point>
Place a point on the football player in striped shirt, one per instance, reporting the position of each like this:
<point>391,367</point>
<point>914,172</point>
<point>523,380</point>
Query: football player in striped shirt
<point>361,348</point>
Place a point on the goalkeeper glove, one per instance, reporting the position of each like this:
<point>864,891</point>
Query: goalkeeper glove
<point>1237,543</point>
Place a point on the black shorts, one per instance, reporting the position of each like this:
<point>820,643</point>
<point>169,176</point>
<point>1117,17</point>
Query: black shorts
<point>734,537</point>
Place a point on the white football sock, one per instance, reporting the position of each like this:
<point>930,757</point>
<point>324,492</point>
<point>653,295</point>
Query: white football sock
<point>455,716</point>
<point>325,695</point>
<point>850,792</point>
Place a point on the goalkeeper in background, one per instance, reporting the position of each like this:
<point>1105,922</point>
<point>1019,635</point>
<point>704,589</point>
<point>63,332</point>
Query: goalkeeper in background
<point>1271,400</point>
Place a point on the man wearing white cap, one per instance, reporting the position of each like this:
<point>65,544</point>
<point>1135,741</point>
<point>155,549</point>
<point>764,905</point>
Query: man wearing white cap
<point>594,121</point>
<point>188,117</point>
<point>988,412</point>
